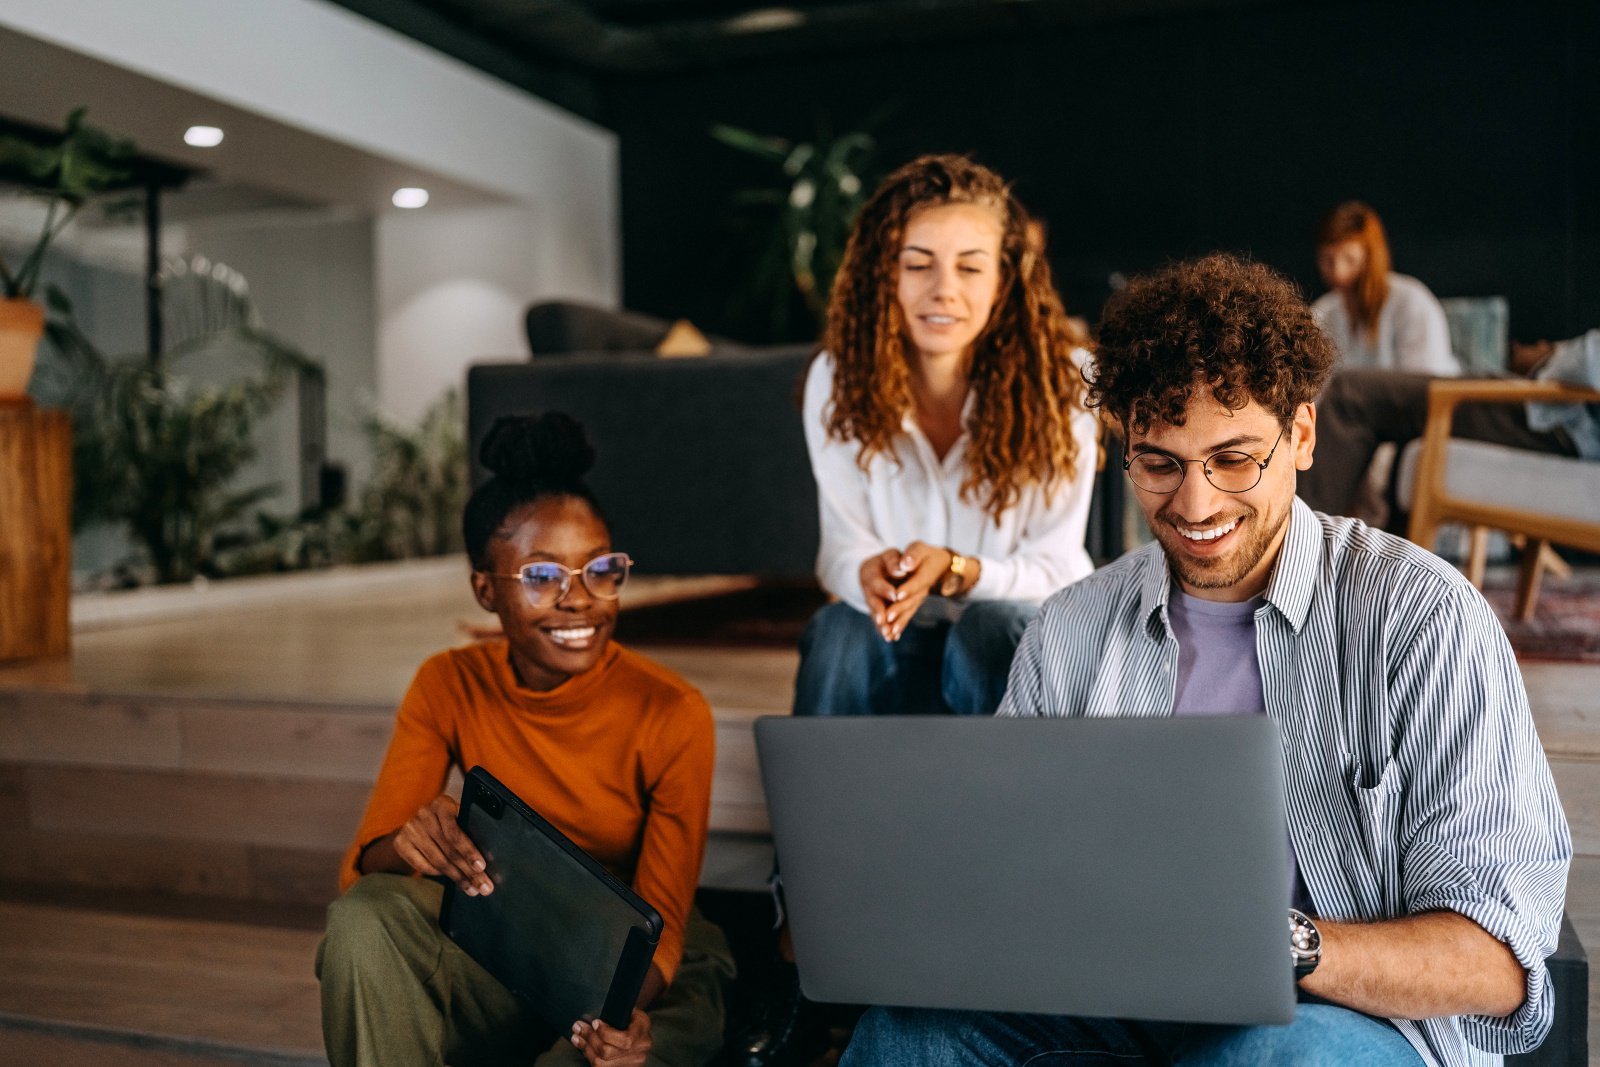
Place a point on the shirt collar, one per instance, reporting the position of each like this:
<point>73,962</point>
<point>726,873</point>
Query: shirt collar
<point>1299,559</point>
<point>957,454</point>
<point>1289,589</point>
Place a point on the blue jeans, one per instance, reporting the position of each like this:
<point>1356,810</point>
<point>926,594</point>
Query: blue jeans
<point>847,668</point>
<point>1322,1035</point>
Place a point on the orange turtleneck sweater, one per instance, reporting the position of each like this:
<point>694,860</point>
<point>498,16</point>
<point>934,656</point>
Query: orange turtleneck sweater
<point>618,758</point>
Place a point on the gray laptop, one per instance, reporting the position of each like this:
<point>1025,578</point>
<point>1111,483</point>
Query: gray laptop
<point>1133,868</point>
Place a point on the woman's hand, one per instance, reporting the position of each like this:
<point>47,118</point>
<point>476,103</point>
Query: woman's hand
<point>916,573</point>
<point>610,1047</point>
<point>431,842</point>
<point>878,585</point>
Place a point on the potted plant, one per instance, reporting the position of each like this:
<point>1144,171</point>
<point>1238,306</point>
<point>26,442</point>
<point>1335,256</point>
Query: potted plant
<point>820,189</point>
<point>86,161</point>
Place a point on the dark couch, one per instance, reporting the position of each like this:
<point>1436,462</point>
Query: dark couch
<point>702,466</point>
<point>701,463</point>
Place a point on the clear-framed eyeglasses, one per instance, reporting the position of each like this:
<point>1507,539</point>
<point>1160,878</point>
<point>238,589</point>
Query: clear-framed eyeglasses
<point>1230,470</point>
<point>546,582</point>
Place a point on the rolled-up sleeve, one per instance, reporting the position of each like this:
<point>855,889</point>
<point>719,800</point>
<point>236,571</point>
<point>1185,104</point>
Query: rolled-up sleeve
<point>1481,830</point>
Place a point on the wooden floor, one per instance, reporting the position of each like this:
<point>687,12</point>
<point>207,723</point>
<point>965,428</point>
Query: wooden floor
<point>126,980</point>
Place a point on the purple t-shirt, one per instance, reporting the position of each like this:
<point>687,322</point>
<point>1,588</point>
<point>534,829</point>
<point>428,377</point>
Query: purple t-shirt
<point>1218,674</point>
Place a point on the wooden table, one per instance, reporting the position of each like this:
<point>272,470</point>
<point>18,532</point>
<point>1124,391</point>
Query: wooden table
<point>35,531</point>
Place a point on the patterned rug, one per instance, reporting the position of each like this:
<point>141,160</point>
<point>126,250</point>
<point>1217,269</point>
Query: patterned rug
<point>1566,620</point>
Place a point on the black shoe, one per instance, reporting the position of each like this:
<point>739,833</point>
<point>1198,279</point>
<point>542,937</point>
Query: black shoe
<point>787,1031</point>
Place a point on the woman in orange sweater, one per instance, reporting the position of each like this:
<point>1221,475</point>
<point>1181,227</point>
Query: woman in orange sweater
<point>614,750</point>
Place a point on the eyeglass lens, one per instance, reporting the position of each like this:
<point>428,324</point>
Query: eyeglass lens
<point>1231,472</point>
<point>603,576</point>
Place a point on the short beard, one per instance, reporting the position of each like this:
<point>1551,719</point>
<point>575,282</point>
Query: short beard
<point>1224,571</point>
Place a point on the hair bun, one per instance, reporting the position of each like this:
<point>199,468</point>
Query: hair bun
<point>549,449</point>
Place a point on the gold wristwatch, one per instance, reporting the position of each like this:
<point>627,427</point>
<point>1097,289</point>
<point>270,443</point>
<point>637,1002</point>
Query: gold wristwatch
<point>951,584</point>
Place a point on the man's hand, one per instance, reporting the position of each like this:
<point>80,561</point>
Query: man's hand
<point>432,843</point>
<point>610,1047</point>
<point>1525,359</point>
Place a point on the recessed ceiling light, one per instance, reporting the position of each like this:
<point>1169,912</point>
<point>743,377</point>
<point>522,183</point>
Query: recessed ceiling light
<point>765,20</point>
<point>202,136</point>
<point>410,197</point>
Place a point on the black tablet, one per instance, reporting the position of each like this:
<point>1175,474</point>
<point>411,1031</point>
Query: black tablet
<point>566,937</point>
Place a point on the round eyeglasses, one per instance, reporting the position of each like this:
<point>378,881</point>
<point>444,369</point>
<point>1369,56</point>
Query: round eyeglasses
<point>1230,470</point>
<point>545,582</point>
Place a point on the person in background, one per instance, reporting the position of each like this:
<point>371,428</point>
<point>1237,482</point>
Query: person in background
<point>614,750</point>
<point>1360,411</point>
<point>1375,316</point>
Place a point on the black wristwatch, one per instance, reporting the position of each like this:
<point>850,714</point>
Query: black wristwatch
<point>1305,943</point>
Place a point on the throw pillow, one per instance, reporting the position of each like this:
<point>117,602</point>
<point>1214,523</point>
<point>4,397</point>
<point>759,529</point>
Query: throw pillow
<point>683,339</point>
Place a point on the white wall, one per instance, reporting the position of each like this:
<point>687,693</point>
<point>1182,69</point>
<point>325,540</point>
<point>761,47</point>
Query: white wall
<point>311,278</point>
<point>449,285</point>
<point>453,287</point>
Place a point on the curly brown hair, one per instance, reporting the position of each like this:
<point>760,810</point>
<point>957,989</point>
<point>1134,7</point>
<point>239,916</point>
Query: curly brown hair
<point>1025,384</point>
<point>1236,328</point>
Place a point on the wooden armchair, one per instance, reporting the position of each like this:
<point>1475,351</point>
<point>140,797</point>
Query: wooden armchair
<point>1542,497</point>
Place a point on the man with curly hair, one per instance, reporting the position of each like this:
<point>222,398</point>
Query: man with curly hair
<point>1430,850</point>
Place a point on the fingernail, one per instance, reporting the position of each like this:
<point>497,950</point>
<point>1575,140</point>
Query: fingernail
<point>478,864</point>
<point>471,891</point>
<point>899,594</point>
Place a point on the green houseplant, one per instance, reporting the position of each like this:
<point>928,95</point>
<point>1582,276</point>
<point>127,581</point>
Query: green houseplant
<point>157,449</point>
<point>821,187</point>
<point>86,162</point>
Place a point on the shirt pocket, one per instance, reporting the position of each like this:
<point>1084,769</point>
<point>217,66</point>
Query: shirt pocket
<point>1374,866</point>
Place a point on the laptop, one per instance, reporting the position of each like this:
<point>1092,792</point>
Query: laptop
<point>1132,868</point>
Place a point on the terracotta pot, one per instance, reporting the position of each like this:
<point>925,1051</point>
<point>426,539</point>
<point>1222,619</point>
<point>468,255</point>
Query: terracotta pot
<point>21,326</point>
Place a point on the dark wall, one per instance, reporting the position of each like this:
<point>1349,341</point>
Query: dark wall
<point>1473,128</point>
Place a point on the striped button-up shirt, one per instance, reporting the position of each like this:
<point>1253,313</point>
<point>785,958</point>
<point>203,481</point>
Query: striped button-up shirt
<point>1415,780</point>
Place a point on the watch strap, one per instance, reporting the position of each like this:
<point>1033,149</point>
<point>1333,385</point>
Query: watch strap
<point>1305,943</point>
<point>954,578</point>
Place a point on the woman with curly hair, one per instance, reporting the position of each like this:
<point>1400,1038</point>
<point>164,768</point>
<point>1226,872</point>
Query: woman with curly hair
<point>1375,316</point>
<point>952,451</point>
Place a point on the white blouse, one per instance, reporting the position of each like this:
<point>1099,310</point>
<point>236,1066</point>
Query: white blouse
<point>1412,332</point>
<point>911,495</point>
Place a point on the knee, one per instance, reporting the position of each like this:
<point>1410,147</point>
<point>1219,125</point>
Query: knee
<point>366,920</point>
<point>893,1035</point>
<point>837,629</point>
<point>993,622</point>
<point>842,659</point>
<point>1322,1035</point>
<point>983,641</point>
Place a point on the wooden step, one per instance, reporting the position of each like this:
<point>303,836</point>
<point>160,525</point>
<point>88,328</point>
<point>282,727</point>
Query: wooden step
<point>110,987</point>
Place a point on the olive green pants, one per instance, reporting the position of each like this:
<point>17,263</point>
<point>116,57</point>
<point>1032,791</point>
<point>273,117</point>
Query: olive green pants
<point>397,991</point>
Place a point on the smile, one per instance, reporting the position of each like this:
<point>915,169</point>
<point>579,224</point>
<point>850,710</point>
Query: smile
<point>1211,534</point>
<point>940,320</point>
<point>575,636</point>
